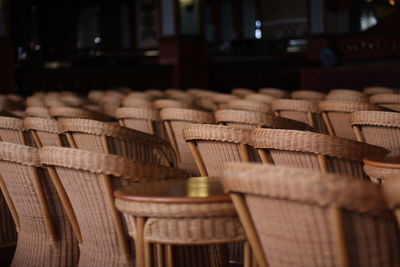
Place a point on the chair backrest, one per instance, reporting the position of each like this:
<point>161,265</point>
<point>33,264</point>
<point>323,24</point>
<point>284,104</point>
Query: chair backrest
<point>170,103</point>
<point>264,98</point>
<point>175,120</point>
<point>89,180</point>
<point>37,111</point>
<point>336,115</point>
<point>308,95</point>
<point>214,145</point>
<point>105,137</point>
<point>390,101</point>
<point>141,119</point>
<point>295,217</point>
<point>373,90</point>
<point>44,235</point>
<point>222,99</point>
<point>250,105</point>
<point>300,110</point>
<point>35,101</point>
<point>135,101</point>
<point>241,92</point>
<point>276,92</point>
<point>201,93</point>
<point>45,132</point>
<point>313,151</point>
<point>346,95</point>
<point>155,93</point>
<point>378,128</point>
<point>12,131</point>
<point>72,112</point>
<point>250,120</point>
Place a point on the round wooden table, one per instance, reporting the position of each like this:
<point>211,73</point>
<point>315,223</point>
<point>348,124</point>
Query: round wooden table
<point>199,201</point>
<point>381,168</point>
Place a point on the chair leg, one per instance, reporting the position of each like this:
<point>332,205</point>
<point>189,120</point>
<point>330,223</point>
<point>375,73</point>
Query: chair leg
<point>147,254</point>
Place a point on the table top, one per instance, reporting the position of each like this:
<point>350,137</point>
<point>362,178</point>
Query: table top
<point>192,190</point>
<point>391,161</point>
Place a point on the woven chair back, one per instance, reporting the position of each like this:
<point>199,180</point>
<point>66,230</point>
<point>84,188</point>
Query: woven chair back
<point>72,112</point>
<point>275,92</point>
<point>264,98</point>
<point>307,95</point>
<point>37,111</point>
<point>111,138</point>
<point>175,120</point>
<point>45,132</point>
<point>314,151</point>
<point>214,145</point>
<point>374,90</point>
<point>170,103</point>
<point>377,128</point>
<point>241,104</point>
<point>12,131</point>
<point>297,217</point>
<point>336,115</point>
<point>389,101</point>
<point>346,95</point>
<point>300,110</point>
<point>250,120</point>
<point>45,236</point>
<point>135,101</point>
<point>141,119</point>
<point>89,180</point>
<point>241,92</point>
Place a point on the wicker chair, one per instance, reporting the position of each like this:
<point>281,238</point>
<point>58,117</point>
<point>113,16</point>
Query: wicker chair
<point>222,99</point>
<point>89,180</point>
<point>134,101</point>
<point>45,237</point>
<point>111,138</point>
<point>346,95</point>
<point>250,120</point>
<point>45,132</point>
<point>300,110</point>
<point>141,119</point>
<point>95,95</point>
<point>263,98</point>
<point>336,115</point>
<point>155,93</point>
<point>71,112</point>
<point>381,169</point>
<point>275,92</point>
<point>213,145</point>
<point>175,120</point>
<point>307,95</point>
<point>313,151</point>
<point>373,90</point>
<point>294,217</point>
<point>12,131</point>
<point>35,101</point>
<point>377,128</point>
<point>170,103</point>
<point>201,93</point>
<point>241,92</point>
<point>37,111</point>
<point>250,105</point>
<point>388,101</point>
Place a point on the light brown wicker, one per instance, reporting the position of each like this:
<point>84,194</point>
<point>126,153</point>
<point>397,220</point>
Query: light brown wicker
<point>134,101</point>
<point>346,95</point>
<point>71,112</point>
<point>336,115</point>
<point>37,101</point>
<point>307,95</point>
<point>111,138</point>
<point>250,120</point>
<point>214,145</point>
<point>295,217</point>
<point>12,130</point>
<point>241,104</point>
<point>141,119</point>
<point>37,111</point>
<point>390,101</point>
<point>170,103</point>
<point>205,103</point>
<point>276,92</point>
<point>201,93</point>
<point>377,128</point>
<point>155,93</point>
<point>313,151</point>
<point>264,98</point>
<point>45,132</point>
<point>202,221</point>
<point>89,180</point>
<point>95,95</point>
<point>45,236</point>
<point>380,169</point>
<point>221,98</point>
<point>300,110</point>
<point>175,120</point>
<point>241,92</point>
<point>373,90</point>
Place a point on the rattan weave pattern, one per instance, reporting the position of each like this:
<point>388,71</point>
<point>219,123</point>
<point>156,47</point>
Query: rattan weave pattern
<point>37,111</point>
<point>276,92</point>
<point>316,143</point>
<point>137,113</point>
<point>378,118</point>
<point>71,112</point>
<point>345,106</point>
<point>170,103</point>
<point>11,123</point>
<point>260,97</point>
<point>217,133</point>
<point>241,92</point>
<point>241,104</point>
<point>295,105</point>
<point>41,124</point>
<point>106,163</point>
<point>385,99</point>
<point>189,115</point>
<point>373,90</point>
<point>307,95</point>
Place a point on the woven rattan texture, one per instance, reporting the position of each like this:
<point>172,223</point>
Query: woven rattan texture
<point>216,133</point>
<point>260,98</point>
<point>106,163</point>
<point>241,104</point>
<point>276,92</point>
<point>37,111</point>
<point>295,105</point>
<point>380,173</point>
<point>70,112</point>
<point>170,103</point>
<point>373,90</point>
<point>41,124</point>
<point>308,95</point>
<point>256,119</point>
<point>188,115</point>
<point>385,99</point>
<point>137,113</point>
